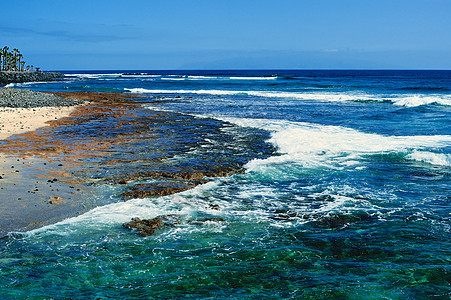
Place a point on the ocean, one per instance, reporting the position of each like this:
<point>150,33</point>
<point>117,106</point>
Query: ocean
<point>345,194</point>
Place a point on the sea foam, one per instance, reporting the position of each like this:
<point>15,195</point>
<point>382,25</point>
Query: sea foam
<point>313,145</point>
<point>440,159</point>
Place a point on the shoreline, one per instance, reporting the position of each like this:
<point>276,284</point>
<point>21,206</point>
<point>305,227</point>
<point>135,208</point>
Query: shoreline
<point>24,193</point>
<point>58,171</point>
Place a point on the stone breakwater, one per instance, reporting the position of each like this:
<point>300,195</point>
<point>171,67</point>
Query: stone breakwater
<point>23,98</point>
<point>7,77</point>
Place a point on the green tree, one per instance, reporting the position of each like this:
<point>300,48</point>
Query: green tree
<point>12,60</point>
<point>5,54</point>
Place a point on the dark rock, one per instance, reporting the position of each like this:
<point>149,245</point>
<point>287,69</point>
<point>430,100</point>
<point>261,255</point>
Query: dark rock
<point>214,206</point>
<point>284,214</point>
<point>155,189</point>
<point>147,227</point>
<point>24,98</point>
<point>335,220</point>
<point>7,77</point>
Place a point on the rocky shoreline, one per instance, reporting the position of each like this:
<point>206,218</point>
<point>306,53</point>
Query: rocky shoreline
<point>51,174</point>
<point>7,77</point>
<point>24,98</point>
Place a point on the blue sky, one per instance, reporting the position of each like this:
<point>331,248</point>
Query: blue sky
<point>229,34</point>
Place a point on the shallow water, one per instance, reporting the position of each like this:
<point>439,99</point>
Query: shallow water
<point>353,202</point>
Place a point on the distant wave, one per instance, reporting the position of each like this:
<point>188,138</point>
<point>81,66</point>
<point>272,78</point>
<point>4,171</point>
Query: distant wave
<point>255,78</point>
<point>404,100</point>
<point>94,76</point>
<point>169,76</point>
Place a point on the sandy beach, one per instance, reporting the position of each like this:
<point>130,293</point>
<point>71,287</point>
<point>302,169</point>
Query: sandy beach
<point>28,191</point>
<point>19,120</point>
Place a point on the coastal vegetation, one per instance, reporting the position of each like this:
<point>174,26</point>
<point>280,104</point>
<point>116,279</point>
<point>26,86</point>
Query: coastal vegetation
<point>13,61</point>
<point>14,69</point>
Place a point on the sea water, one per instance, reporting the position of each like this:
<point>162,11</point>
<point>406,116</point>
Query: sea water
<point>354,201</point>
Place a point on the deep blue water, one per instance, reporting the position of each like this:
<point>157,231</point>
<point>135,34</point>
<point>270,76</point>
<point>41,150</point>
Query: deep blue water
<point>354,204</point>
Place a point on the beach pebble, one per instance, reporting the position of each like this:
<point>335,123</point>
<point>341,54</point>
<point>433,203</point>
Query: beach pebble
<point>24,98</point>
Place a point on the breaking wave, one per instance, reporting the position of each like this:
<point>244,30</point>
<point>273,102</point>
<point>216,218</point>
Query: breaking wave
<point>405,100</point>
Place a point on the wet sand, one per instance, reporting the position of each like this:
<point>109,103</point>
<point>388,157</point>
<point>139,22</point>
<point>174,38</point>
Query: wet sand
<point>28,191</point>
<point>37,186</point>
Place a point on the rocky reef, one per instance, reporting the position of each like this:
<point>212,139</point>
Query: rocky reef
<point>114,140</point>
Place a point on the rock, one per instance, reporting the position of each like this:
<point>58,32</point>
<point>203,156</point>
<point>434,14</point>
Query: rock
<point>284,214</point>
<point>24,98</point>
<point>214,206</point>
<point>55,200</point>
<point>147,227</point>
<point>335,220</point>
<point>155,189</point>
<point>7,77</point>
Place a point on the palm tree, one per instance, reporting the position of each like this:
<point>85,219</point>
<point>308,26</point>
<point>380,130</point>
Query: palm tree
<point>5,53</point>
<point>14,53</point>
<point>9,59</point>
<point>12,60</point>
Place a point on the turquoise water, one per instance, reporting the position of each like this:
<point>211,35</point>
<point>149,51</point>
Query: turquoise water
<point>352,203</point>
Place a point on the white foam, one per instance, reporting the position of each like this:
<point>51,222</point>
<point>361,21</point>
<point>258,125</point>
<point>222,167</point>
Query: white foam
<point>94,76</point>
<point>272,94</point>
<point>420,99</point>
<point>30,83</point>
<point>173,79</point>
<point>405,100</point>
<point>192,77</point>
<point>142,75</point>
<point>440,159</point>
<point>185,203</point>
<point>314,145</point>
